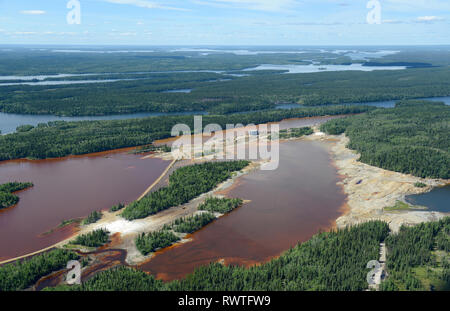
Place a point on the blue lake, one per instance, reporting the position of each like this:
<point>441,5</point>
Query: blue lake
<point>437,199</point>
<point>9,122</point>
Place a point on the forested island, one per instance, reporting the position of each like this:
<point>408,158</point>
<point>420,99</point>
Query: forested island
<point>411,138</point>
<point>185,184</point>
<point>220,205</point>
<point>7,198</point>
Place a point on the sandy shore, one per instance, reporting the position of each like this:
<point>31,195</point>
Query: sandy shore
<point>371,189</point>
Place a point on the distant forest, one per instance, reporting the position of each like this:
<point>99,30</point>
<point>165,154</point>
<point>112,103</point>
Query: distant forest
<point>59,138</point>
<point>222,93</point>
<point>411,138</point>
<point>218,82</point>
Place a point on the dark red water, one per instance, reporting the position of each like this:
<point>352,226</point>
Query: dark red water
<point>65,189</point>
<point>288,206</point>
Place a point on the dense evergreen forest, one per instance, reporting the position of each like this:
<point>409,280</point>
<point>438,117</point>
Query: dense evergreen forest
<point>150,242</point>
<point>185,184</point>
<point>418,257</point>
<point>7,198</point>
<point>24,273</point>
<point>190,224</point>
<point>57,139</point>
<point>220,205</point>
<point>295,132</point>
<point>218,82</point>
<point>250,93</point>
<point>92,218</point>
<point>410,138</point>
<point>329,261</point>
<point>95,238</point>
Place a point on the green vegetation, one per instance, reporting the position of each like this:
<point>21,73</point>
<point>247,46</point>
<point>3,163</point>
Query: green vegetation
<point>191,224</point>
<point>420,185</point>
<point>24,273</point>
<point>329,261</point>
<point>399,206</point>
<point>117,207</point>
<point>58,139</point>
<point>150,242</point>
<point>116,279</point>
<point>411,138</point>
<point>223,206</point>
<point>15,186</point>
<point>418,257</point>
<point>92,218</point>
<point>7,198</point>
<point>24,128</point>
<point>63,224</point>
<point>295,132</point>
<point>151,148</point>
<point>216,92</point>
<point>95,238</point>
<point>185,184</point>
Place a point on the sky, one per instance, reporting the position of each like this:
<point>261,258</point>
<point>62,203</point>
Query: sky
<point>225,22</point>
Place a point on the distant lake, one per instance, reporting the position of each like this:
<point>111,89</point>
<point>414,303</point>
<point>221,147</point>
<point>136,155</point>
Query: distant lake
<point>10,121</point>
<point>391,103</point>
<point>186,91</point>
<point>437,200</point>
<point>312,68</point>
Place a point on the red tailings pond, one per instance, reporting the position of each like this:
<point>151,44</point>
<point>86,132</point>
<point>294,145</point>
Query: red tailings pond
<point>288,205</point>
<point>65,189</point>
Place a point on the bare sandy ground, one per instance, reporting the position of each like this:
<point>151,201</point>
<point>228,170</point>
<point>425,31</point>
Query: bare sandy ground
<point>370,189</point>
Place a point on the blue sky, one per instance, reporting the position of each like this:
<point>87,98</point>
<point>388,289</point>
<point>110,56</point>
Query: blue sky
<point>225,22</point>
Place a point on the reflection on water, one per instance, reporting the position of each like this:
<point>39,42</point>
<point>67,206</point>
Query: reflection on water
<point>66,189</point>
<point>323,68</point>
<point>287,205</point>
<point>437,200</point>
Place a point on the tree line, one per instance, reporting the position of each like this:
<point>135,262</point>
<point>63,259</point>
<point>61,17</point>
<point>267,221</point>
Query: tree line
<point>58,138</point>
<point>329,261</point>
<point>411,138</point>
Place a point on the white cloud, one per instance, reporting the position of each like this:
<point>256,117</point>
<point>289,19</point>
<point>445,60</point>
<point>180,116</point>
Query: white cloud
<point>260,5</point>
<point>24,33</point>
<point>145,4</point>
<point>406,5</point>
<point>429,18</point>
<point>32,12</point>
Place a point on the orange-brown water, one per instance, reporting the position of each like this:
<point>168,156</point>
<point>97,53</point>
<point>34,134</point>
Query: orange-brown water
<point>288,206</point>
<point>68,188</point>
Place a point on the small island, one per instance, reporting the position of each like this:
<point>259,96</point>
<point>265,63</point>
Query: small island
<point>7,196</point>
